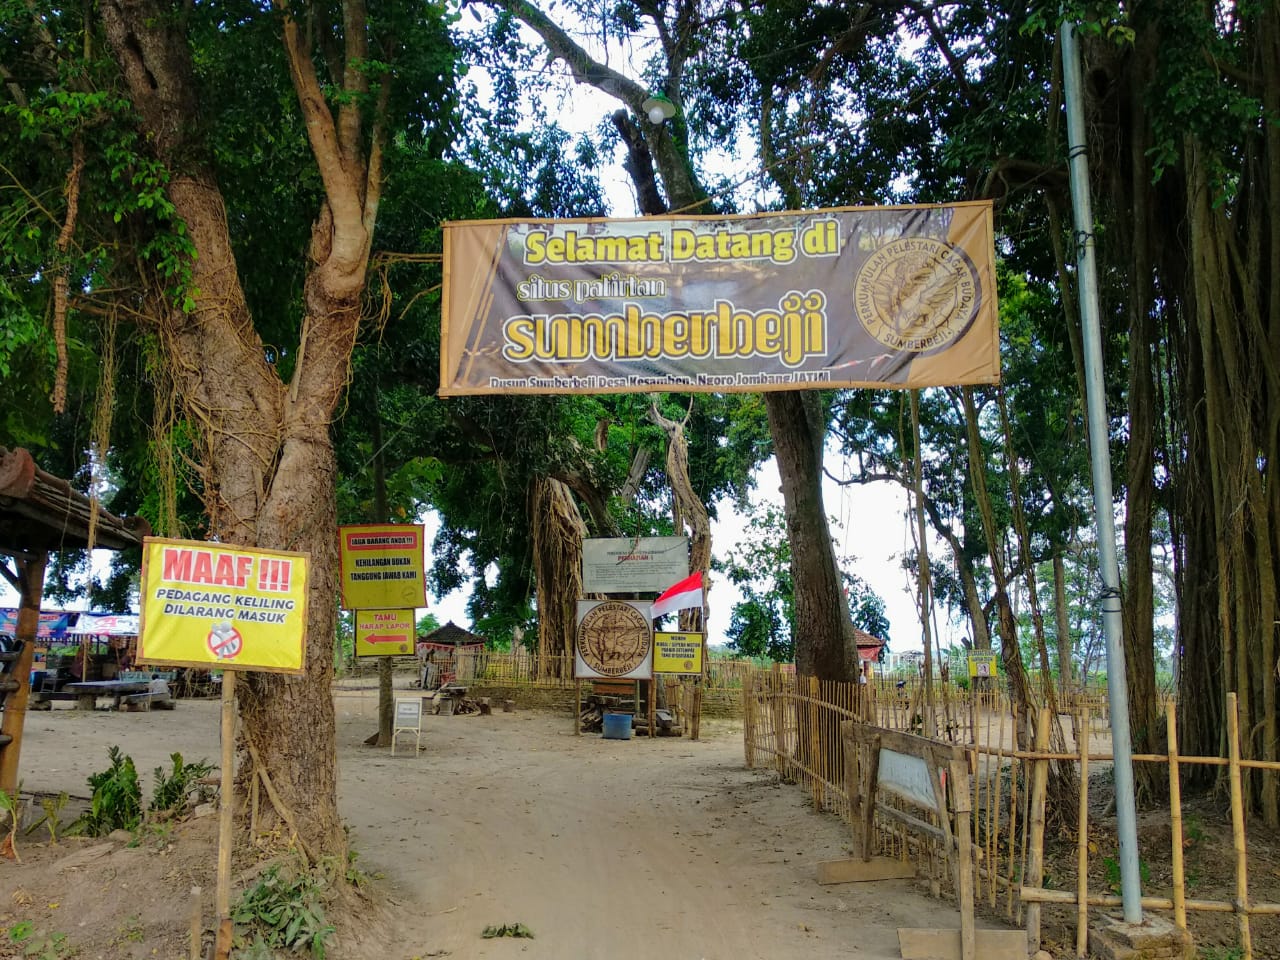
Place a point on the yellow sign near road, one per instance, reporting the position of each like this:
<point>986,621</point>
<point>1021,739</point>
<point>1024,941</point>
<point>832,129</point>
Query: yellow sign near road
<point>382,566</point>
<point>213,605</point>
<point>677,653</point>
<point>384,633</point>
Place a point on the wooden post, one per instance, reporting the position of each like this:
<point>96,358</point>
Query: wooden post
<point>695,723</point>
<point>1035,837</point>
<point>748,720</point>
<point>870,781</point>
<point>1082,850</point>
<point>1237,828</point>
<point>577,707</point>
<point>964,861</point>
<point>222,949</point>
<point>197,924</point>
<point>31,588</point>
<point>653,705</point>
<point>1175,819</point>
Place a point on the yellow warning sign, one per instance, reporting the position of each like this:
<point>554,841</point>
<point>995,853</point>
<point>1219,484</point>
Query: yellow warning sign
<point>213,605</point>
<point>384,633</point>
<point>382,566</point>
<point>677,653</point>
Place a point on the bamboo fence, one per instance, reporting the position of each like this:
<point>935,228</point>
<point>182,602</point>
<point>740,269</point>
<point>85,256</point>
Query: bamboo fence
<point>791,725</point>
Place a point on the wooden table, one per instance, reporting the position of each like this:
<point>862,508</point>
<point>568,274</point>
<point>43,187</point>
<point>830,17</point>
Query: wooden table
<point>88,691</point>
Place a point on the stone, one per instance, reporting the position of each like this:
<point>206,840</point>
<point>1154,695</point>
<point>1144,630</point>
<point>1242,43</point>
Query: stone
<point>1156,938</point>
<point>1042,955</point>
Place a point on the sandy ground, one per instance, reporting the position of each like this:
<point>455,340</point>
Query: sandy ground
<point>625,850</point>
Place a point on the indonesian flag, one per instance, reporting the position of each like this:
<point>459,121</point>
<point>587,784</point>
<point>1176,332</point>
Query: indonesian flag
<point>687,593</point>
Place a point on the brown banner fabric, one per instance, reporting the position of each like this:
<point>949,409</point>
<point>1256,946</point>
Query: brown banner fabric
<point>862,297</point>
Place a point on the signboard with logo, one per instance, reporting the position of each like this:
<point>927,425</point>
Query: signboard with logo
<point>982,663</point>
<point>214,605</point>
<point>852,297</point>
<point>385,633</point>
<point>679,653</point>
<point>633,564</point>
<point>614,641</point>
<point>382,566</point>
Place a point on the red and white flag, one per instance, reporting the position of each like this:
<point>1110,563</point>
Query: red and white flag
<point>683,595</point>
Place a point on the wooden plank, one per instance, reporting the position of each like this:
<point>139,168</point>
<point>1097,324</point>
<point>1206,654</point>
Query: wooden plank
<point>907,743</point>
<point>859,871</point>
<point>945,944</point>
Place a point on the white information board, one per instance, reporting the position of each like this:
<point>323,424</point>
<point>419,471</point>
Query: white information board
<point>633,564</point>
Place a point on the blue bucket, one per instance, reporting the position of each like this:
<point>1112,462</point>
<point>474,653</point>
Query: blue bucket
<point>617,726</point>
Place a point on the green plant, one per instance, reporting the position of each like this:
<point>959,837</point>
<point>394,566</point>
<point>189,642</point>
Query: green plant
<point>507,930</point>
<point>11,804</point>
<point>38,945</point>
<point>1112,866</point>
<point>52,819</point>
<point>1220,953</point>
<point>283,910</point>
<point>180,789</point>
<point>117,797</point>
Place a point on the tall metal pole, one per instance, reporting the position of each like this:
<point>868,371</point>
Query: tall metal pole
<point>1100,456</point>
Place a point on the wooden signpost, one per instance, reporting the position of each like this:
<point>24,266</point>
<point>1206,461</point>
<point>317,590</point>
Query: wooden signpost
<point>229,608</point>
<point>930,775</point>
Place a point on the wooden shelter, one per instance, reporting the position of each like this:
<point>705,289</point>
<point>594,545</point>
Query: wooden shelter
<point>448,654</point>
<point>40,514</point>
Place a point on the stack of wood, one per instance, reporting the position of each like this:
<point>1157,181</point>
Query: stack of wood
<point>452,700</point>
<point>664,723</point>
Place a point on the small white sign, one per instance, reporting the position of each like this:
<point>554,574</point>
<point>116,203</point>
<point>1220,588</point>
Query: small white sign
<point>408,719</point>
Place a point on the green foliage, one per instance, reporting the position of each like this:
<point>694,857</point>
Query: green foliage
<point>178,790</point>
<point>52,819</point>
<point>283,910</point>
<point>11,805</point>
<point>759,564</point>
<point>518,930</point>
<point>1112,867</point>
<point>36,944</point>
<point>116,803</point>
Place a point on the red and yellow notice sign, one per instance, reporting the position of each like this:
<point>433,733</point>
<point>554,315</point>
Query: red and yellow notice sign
<point>384,633</point>
<point>213,605</point>
<point>382,566</point>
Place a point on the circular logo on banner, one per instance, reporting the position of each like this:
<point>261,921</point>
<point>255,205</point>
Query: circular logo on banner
<point>917,294</point>
<point>614,638</point>
<point>225,641</point>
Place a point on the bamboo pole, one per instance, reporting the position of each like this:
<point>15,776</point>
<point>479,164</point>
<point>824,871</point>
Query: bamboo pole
<point>815,755</point>
<point>1175,819</point>
<point>197,925</point>
<point>1035,840</point>
<point>222,948</point>
<point>1014,764</point>
<point>1237,828</point>
<point>1068,897</point>
<point>1082,846</point>
<point>748,721</point>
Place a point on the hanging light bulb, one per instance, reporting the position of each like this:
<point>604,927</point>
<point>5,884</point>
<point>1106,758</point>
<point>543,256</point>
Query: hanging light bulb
<point>658,108</point>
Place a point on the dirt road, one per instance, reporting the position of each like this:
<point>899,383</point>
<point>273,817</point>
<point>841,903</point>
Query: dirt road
<point>605,849</point>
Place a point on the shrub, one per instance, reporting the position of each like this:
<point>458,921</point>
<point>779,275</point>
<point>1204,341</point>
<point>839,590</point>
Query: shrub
<point>117,797</point>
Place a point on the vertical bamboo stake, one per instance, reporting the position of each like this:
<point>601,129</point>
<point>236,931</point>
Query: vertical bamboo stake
<point>653,706</point>
<point>1035,841</point>
<point>993,828</point>
<point>577,707</point>
<point>222,949</point>
<point>1237,828</point>
<point>959,770</point>
<point>1175,819</point>
<point>1082,851</point>
<point>197,923</point>
<point>776,716</point>
<point>815,744</point>
<point>1014,770</point>
<point>748,720</point>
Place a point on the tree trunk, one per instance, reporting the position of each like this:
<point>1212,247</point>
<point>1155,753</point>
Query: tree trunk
<point>825,647</point>
<point>269,465</point>
<point>557,569</point>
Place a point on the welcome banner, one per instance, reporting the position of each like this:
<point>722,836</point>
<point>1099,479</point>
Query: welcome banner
<point>858,297</point>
